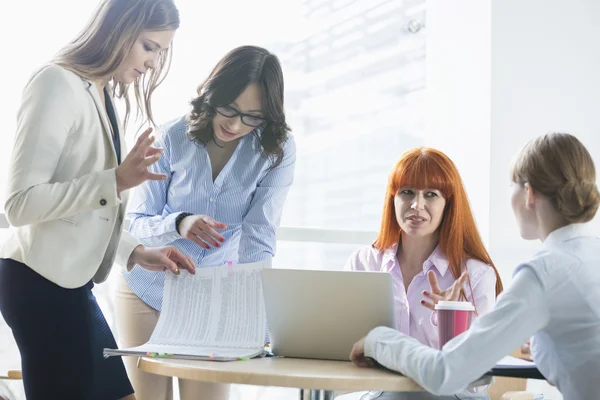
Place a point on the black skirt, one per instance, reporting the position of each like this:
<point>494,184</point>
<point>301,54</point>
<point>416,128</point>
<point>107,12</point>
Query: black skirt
<point>61,334</point>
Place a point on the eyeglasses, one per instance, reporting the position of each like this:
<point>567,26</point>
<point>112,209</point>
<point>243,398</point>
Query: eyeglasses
<point>247,119</point>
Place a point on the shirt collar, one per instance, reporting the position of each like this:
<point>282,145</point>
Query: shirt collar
<point>566,233</point>
<point>436,259</point>
<point>389,258</point>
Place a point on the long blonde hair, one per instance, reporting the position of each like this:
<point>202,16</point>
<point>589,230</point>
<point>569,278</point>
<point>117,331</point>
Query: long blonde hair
<point>103,44</point>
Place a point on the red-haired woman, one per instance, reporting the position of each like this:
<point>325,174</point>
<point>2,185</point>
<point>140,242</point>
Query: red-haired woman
<point>429,242</point>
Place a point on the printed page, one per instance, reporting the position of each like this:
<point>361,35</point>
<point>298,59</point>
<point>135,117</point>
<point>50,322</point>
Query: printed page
<point>513,363</point>
<point>187,352</point>
<point>239,324</point>
<point>217,307</point>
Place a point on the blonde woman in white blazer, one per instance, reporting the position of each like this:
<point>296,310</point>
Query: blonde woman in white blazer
<point>67,195</point>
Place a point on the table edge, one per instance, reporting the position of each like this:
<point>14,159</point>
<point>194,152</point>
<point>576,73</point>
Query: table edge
<point>163,368</point>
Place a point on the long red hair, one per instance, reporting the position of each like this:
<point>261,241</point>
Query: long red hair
<point>426,168</point>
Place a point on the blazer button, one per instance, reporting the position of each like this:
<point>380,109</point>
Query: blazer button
<point>103,202</point>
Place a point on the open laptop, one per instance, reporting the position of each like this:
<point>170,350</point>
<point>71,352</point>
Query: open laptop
<point>321,314</point>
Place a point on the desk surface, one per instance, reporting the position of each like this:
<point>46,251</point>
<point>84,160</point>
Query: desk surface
<point>283,372</point>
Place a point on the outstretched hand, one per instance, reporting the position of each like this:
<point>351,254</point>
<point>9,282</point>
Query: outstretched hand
<point>436,294</point>
<point>134,168</point>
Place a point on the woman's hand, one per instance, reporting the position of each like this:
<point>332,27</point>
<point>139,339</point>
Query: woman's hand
<point>201,229</point>
<point>357,355</point>
<point>134,169</point>
<point>526,351</point>
<point>161,259</point>
<point>436,294</point>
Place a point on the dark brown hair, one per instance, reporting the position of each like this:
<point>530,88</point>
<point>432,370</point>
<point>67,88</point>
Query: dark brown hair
<point>240,68</point>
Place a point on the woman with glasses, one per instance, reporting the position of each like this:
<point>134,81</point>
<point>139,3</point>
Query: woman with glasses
<point>229,164</point>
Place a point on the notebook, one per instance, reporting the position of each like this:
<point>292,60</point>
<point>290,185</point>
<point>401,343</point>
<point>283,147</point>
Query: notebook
<point>216,314</point>
<point>516,368</point>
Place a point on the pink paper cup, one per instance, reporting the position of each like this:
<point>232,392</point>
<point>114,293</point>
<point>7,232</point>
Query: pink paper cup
<point>454,318</point>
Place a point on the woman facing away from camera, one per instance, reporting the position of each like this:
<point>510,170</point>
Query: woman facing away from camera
<point>429,243</point>
<point>554,296</point>
<point>229,164</point>
<point>67,195</point>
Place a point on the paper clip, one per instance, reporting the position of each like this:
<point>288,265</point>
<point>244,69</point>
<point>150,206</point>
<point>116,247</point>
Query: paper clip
<point>230,267</point>
<point>243,358</point>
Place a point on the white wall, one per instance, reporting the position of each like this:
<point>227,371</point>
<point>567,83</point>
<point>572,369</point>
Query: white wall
<point>500,73</point>
<point>458,94</point>
<point>541,75</point>
<point>545,77</point>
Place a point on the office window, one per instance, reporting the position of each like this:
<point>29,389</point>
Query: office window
<point>354,75</point>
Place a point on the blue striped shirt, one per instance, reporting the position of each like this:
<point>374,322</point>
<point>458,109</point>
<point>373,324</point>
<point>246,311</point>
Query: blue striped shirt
<point>247,196</point>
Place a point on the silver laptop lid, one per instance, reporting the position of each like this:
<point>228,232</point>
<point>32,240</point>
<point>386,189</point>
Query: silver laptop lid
<point>321,314</point>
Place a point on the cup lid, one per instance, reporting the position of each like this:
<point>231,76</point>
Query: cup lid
<point>455,305</point>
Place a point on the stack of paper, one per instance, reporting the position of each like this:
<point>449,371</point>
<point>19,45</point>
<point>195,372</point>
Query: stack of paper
<point>216,314</point>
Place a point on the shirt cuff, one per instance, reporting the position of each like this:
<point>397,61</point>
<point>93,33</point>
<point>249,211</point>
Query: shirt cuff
<point>127,244</point>
<point>372,340</point>
<point>162,233</point>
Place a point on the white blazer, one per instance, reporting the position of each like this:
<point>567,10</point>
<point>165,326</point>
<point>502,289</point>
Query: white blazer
<point>62,197</point>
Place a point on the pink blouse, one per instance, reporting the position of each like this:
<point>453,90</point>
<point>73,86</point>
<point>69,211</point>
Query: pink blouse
<point>412,318</point>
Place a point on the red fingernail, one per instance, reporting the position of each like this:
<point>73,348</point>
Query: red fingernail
<point>217,244</point>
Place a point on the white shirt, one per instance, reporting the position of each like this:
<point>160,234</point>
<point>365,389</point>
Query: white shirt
<point>554,297</point>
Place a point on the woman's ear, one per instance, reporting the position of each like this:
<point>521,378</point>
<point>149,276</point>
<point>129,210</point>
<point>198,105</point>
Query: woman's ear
<point>529,196</point>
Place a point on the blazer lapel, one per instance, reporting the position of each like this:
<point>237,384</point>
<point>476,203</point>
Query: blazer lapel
<point>121,132</point>
<point>103,118</point>
<point>125,194</point>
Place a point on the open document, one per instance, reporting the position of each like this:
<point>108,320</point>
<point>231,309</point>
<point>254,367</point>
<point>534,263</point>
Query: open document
<point>216,314</point>
<point>516,368</point>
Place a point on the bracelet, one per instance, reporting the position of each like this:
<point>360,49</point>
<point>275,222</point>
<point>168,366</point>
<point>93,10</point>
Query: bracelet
<point>180,218</point>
